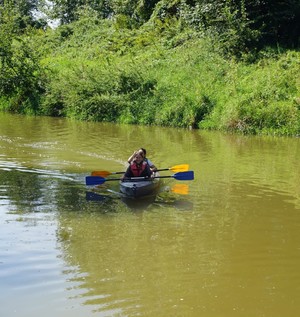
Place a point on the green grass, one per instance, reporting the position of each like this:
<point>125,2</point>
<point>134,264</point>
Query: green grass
<point>98,71</point>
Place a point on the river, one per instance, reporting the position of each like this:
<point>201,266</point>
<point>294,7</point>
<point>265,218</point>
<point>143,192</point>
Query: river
<point>228,245</point>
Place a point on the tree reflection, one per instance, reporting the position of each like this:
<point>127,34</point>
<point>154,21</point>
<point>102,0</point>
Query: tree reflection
<point>24,190</point>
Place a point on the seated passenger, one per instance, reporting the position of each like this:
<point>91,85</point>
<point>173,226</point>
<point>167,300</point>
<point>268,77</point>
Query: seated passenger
<point>152,166</point>
<point>138,167</point>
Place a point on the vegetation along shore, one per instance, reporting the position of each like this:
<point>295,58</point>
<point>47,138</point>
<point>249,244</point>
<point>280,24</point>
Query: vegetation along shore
<point>207,64</point>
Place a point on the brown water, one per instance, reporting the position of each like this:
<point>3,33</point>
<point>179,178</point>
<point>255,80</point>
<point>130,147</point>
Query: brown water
<point>231,247</point>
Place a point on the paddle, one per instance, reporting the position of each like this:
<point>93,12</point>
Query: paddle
<point>175,169</point>
<point>98,180</point>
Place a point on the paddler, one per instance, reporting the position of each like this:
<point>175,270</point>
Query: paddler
<point>139,167</point>
<point>152,166</point>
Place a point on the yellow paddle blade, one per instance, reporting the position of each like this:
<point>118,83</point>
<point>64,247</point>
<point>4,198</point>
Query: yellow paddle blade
<point>179,168</point>
<point>182,189</point>
<point>101,173</point>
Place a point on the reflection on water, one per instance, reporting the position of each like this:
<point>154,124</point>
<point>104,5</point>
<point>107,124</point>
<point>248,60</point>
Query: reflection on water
<point>230,246</point>
<point>190,262</point>
<point>104,195</point>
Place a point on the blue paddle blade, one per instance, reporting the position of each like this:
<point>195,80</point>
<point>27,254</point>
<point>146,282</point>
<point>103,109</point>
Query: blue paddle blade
<point>184,176</point>
<point>94,180</point>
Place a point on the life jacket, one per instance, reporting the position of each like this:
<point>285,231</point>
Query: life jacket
<point>137,169</point>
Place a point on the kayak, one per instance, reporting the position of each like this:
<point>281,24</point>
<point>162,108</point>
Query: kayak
<point>139,188</point>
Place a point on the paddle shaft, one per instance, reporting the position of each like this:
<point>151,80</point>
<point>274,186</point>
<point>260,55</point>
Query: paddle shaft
<point>158,170</point>
<point>176,168</point>
<point>187,176</point>
<point>114,173</point>
<point>97,180</point>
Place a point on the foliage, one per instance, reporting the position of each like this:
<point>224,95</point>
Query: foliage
<point>20,75</point>
<point>190,64</point>
<point>24,10</point>
<point>261,98</point>
<point>237,25</point>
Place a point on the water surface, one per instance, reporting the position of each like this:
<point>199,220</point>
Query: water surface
<point>231,247</point>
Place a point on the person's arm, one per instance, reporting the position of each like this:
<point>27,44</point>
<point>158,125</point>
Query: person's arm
<point>130,158</point>
<point>152,166</point>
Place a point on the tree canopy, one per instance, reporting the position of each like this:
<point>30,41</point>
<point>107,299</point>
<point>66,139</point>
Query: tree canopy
<point>253,22</point>
<point>244,24</point>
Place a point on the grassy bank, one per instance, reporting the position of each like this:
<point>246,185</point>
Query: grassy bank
<point>99,71</point>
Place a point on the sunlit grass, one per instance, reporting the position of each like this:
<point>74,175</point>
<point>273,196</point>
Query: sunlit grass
<point>99,72</point>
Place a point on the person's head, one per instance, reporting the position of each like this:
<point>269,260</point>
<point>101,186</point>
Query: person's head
<point>139,156</point>
<point>144,151</point>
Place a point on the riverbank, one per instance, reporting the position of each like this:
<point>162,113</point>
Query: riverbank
<point>92,70</point>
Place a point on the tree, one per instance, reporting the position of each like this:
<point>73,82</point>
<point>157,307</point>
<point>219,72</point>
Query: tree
<point>245,25</point>
<point>24,9</point>
<point>67,10</point>
<point>137,10</point>
<point>20,71</point>
<point>277,20</point>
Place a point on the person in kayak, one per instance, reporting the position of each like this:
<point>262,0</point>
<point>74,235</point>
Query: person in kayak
<point>152,166</point>
<point>138,167</point>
